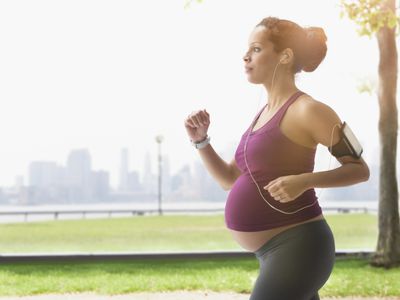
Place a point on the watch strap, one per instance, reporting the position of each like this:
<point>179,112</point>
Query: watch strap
<point>202,144</point>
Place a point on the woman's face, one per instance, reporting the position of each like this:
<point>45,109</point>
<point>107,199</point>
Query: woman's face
<point>260,59</point>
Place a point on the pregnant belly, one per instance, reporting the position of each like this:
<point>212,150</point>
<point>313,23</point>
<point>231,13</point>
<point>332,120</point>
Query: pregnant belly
<point>250,208</point>
<point>252,241</point>
<point>252,222</point>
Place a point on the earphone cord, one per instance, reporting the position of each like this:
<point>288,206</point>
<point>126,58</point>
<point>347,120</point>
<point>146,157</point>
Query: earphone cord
<point>259,191</point>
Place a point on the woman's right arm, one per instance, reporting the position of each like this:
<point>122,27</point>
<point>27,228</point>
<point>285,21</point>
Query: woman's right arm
<point>225,174</point>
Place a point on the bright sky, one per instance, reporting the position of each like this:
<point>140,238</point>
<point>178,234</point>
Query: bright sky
<point>109,74</point>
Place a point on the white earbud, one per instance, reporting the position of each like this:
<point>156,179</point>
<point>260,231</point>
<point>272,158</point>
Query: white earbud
<point>285,56</point>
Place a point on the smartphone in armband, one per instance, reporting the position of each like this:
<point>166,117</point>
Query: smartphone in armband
<point>348,144</point>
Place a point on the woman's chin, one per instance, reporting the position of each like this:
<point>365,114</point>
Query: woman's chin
<point>252,80</point>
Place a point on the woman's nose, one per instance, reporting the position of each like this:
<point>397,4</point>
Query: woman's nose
<point>246,58</point>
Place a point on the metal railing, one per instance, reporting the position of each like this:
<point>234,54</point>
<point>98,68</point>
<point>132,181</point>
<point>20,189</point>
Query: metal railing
<point>141,212</point>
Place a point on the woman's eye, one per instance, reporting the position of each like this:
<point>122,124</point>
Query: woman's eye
<point>256,49</point>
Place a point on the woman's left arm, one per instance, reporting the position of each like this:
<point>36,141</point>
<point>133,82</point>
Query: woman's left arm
<point>319,120</point>
<point>351,172</point>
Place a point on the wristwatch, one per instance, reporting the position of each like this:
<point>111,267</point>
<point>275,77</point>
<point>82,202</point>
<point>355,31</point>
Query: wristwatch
<point>202,144</point>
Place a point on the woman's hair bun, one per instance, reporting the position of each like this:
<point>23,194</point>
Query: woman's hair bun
<point>308,43</point>
<point>315,48</point>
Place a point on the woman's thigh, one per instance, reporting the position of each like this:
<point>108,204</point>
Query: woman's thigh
<point>296,263</point>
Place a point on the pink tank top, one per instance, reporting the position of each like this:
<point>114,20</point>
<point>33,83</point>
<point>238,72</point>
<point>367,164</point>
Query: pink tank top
<point>270,154</point>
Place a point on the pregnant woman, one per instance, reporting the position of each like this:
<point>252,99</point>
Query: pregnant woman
<point>272,209</point>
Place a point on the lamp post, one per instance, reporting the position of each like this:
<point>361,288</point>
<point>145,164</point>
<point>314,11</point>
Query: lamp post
<point>159,139</point>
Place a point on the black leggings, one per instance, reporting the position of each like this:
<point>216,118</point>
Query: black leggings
<point>295,263</point>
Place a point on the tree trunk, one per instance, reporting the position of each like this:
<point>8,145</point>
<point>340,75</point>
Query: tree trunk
<point>388,248</point>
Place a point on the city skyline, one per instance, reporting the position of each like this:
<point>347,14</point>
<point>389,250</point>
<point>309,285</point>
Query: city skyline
<point>77,182</point>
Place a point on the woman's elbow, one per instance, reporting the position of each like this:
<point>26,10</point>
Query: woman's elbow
<point>363,169</point>
<point>227,186</point>
<point>365,173</point>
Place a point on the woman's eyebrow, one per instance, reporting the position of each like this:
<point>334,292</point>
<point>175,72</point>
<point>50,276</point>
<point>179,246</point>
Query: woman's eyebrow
<point>255,43</point>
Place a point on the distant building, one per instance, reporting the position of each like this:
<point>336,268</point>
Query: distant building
<point>124,170</point>
<point>149,178</point>
<point>79,176</point>
<point>100,185</point>
<point>133,182</point>
<point>46,180</point>
<point>45,173</point>
<point>166,175</point>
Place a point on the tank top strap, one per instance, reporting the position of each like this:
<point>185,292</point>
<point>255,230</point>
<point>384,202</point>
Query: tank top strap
<point>283,109</point>
<point>257,115</point>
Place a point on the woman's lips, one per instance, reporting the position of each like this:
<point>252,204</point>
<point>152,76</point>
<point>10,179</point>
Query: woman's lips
<point>248,70</point>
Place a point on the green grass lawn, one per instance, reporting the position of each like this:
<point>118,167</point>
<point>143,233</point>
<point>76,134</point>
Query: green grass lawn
<point>349,277</point>
<point>159,233</point>
<point>170,233</point>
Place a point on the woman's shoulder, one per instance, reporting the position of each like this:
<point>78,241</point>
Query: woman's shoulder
<point>310,108</point>
<point>318,119</point>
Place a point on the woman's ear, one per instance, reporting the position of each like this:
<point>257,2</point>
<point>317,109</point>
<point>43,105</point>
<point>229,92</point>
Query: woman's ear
<point>286,56</point>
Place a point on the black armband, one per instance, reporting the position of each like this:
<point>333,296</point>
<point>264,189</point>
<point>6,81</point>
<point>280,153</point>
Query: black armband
<point>347,145</point>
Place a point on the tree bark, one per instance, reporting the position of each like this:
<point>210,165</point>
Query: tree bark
<point>388,247</point>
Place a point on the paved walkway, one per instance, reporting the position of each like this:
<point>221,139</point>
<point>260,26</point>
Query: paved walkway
<point>165,296</point>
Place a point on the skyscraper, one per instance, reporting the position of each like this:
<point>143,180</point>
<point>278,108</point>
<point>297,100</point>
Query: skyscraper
<point>149,178</point>
<point>124,170</point>
<point>79,167</point>
<point>44,173</point>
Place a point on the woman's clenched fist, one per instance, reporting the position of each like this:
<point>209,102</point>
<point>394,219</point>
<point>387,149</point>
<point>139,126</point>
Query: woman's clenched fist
<point>196,125</point>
